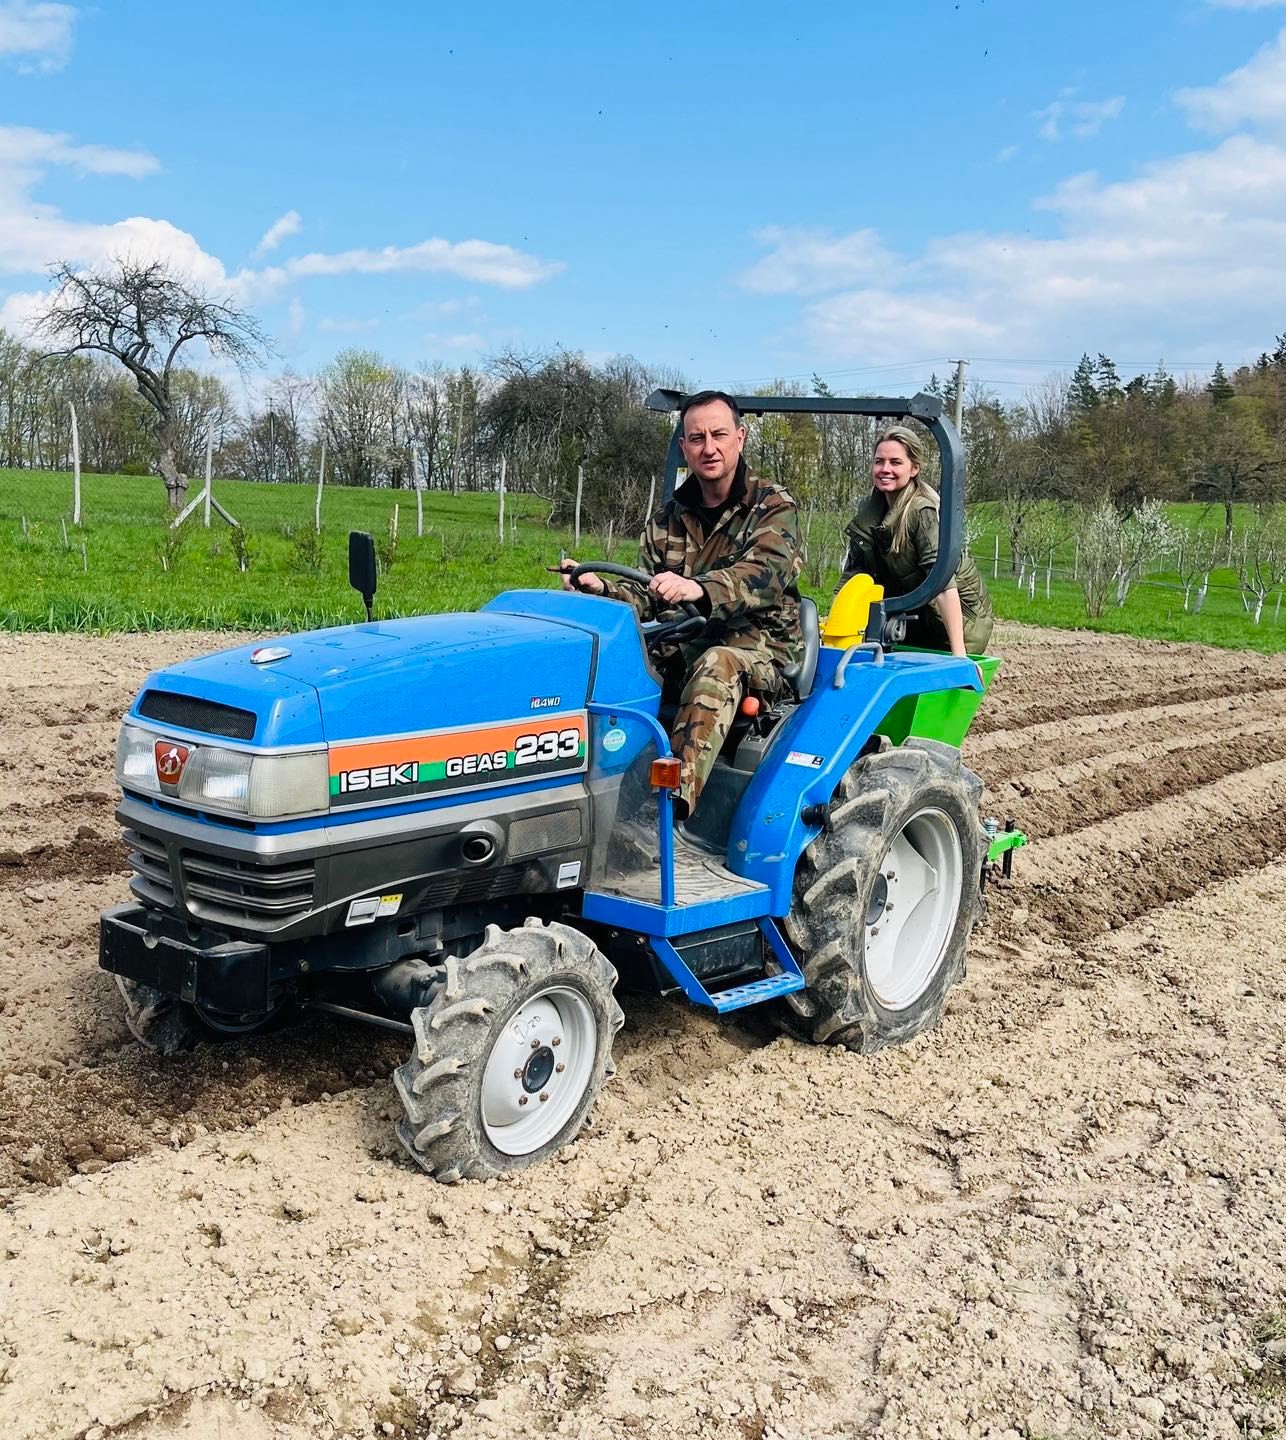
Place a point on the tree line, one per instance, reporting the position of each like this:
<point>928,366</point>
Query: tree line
<point>116,345</point>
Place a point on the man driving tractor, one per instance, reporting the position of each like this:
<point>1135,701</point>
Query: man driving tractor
<point>727,542</point>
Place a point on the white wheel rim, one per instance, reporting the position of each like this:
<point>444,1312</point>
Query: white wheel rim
<point>912,908</point>
<point>538,1070</point>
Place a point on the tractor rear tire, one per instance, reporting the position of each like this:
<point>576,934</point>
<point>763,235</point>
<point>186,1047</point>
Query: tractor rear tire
<point>510,1053</point>
<point>886,898</point>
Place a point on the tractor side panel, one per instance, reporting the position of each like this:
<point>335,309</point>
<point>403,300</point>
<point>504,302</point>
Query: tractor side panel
<point>814,748</point>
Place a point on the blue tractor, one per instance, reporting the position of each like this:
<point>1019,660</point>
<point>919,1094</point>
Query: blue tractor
<point>459,827</point>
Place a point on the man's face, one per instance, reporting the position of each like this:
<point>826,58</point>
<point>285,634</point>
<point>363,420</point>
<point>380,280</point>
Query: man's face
<point>712,441</point>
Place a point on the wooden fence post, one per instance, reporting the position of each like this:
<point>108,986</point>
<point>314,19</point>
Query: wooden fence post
<point>501,521</point>
<point>580,485</point>
<point>209,471</point>
<point>321,476</point>
<point>75,460</point>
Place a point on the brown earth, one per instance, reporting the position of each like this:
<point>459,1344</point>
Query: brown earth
<point>1058,1215</point>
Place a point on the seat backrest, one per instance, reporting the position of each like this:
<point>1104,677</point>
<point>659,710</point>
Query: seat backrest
<point>800,677</point>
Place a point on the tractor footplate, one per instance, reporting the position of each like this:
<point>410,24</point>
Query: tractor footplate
<point>771,987</point>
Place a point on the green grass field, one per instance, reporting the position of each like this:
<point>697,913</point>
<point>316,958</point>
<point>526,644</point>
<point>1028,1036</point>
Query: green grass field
<point>123,569</point>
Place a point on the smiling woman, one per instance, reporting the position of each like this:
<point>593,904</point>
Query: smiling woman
<point>894,539</point>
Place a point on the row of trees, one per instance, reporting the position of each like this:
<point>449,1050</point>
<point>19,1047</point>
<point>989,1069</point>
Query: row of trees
<point>118,344</point>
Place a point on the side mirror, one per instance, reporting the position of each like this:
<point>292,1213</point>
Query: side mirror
<point>361,566</point>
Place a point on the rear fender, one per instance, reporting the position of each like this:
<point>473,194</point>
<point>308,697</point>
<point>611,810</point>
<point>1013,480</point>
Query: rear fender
<point>815,747</point>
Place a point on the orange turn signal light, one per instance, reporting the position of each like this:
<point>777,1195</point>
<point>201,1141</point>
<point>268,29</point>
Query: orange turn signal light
<point>665,773</point>
<point>750,706</point>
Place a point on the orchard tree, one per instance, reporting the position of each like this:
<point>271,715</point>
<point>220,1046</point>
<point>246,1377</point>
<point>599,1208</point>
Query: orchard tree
<point>143,313</point>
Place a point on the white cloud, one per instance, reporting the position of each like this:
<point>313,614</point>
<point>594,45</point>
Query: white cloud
<point>1255,94</point>
<point>338,326</point>
<point>478,260</point>
<point>467,343</point>
<point>1007,154</point>
<point>286,225</point>
<point>296,318</point>
<point>33,235</point>
<point>36,36</point>
<point>805,262</point>
<point>1184,254</point>
<point>1081,118</point>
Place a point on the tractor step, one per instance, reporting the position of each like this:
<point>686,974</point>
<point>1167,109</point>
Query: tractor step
<point>737,997</point>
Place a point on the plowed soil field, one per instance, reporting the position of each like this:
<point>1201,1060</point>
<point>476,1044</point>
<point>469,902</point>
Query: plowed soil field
<point>1058,1215</point>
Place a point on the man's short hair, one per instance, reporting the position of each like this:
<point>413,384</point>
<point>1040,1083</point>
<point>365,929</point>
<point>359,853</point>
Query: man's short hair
<point>704,397</point>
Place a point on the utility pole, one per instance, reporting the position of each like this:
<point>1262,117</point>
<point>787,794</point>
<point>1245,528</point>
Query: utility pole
<point>960,369</point>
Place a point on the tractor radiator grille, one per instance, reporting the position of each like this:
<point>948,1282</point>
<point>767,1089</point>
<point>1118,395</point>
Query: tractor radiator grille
<point>150,862</point>
<point>239,893</point>
<point>189,713</point>
<point>536,834</point>
<point>455,889</point>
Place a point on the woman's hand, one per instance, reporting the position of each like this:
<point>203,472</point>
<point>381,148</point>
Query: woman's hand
<point>948,606</point>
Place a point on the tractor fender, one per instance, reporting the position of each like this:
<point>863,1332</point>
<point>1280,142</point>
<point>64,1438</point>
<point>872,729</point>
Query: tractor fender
<point>814,748</point>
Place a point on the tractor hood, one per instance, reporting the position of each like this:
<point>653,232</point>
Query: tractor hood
<point>383,679</point>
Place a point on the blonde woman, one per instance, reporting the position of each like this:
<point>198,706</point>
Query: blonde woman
<point>894,539</point>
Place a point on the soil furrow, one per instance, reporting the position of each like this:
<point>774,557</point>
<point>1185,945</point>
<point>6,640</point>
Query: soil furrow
<point>1126,699</point>
<point>1106,875</point>
<point>1052,802</point>
<point>1005,755</point>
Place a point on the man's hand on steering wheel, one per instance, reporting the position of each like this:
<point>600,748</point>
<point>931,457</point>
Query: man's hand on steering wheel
<point>586,580</point>
<point>669,589</point>
<point>675,589</point>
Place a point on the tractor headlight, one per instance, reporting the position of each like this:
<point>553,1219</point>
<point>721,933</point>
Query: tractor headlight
<point>263,787</point>
<point>136,759</point>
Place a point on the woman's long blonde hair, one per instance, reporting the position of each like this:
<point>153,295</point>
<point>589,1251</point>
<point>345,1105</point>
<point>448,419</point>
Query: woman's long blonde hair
<point>899,511</point>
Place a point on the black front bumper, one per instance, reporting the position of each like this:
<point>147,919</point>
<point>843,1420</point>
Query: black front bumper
<point>229,976</point>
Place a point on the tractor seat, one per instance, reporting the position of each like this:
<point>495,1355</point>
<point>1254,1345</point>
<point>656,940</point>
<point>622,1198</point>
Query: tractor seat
<point>800,677</point>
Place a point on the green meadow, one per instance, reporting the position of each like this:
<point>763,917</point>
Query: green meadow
<point>125,569</point>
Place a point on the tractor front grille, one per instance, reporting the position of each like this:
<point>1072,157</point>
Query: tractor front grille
<point>236,892</point>
<point>192,713</point>
<point>153,880</point>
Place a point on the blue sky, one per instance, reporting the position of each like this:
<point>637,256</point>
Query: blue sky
<point>744,192</point>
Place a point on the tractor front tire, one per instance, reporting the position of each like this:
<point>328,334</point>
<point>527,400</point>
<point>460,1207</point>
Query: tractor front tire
<point>886,898</point>
<point>510,1053</point>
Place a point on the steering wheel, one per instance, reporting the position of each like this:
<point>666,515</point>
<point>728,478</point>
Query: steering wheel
<point>655,632</point>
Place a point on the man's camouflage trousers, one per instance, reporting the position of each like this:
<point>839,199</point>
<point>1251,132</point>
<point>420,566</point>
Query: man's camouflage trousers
<point>714,688</point>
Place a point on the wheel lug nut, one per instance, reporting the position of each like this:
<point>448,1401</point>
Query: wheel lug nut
<point>535,1044</point>
<point>544,1094</point>
<point>517,1074</point>
<point>560,1067</point>
<point>557,1040</point>
<point>875,930</point>
<point>522,1099</point>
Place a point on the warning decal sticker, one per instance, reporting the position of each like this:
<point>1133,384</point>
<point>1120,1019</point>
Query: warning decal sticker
<point>372,772</point>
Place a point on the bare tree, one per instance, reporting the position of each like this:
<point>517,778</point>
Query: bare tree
<point>1261,566</point>
<point>143,313</point>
